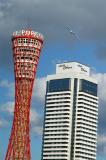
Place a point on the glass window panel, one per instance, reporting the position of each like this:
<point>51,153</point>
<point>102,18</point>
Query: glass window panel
<point>58,85</point>
<point>88,87</point>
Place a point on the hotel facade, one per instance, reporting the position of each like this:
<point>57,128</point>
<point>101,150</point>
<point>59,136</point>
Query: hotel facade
<point>71,114</point>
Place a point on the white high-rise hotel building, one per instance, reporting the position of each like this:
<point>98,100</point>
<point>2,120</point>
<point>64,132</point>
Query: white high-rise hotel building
<point>71,114</point>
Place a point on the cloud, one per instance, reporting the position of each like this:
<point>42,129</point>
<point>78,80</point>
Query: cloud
<point>35,118</point>
<point>36,123</point>
<point>3,123</point>
<point>102,144</point>
<point>101,78</point>
<point>101,52</point>
<point>8,107</point>
<point>102,139</point>
<point>37,130</point>
<point>39,89</point>
<point>51,17</point>
<point>38,97</point>
<point>9,86</point>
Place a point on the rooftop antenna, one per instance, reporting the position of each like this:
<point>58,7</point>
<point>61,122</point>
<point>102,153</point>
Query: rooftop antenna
<point>72,32</point>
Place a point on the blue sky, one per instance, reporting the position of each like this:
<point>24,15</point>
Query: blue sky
<point>51,17</point>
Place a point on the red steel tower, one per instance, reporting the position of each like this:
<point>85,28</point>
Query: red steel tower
<point>27,46</point>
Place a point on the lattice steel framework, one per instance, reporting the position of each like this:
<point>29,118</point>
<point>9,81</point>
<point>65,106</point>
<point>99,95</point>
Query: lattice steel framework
<point>27,46</point>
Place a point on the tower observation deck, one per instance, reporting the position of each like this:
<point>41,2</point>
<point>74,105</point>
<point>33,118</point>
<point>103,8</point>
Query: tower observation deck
<point>26,46</point>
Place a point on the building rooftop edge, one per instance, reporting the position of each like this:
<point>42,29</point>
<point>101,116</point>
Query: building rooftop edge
<point>79,76</point>
<point>74,62</point>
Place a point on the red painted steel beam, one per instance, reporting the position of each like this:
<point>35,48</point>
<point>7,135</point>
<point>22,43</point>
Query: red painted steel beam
<point>27,46</point>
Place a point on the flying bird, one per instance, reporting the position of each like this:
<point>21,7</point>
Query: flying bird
<point>71,32</point>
